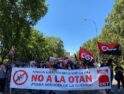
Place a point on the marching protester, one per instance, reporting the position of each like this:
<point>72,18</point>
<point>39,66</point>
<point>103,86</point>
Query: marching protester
<point>67,64</point>
<point>57,64</point>
<point>2,78</point>
<point>108,63</point>
<point>119,76</point>
<point>9,67</point>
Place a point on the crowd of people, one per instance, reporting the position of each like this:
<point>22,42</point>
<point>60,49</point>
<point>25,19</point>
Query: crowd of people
<point>5,69</point>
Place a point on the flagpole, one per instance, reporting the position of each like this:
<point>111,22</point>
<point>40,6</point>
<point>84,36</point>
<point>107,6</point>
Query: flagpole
<point>95,26</point>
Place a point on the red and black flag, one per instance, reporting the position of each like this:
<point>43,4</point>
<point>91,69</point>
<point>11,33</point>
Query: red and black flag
<point>109,48</point>
<point>86,56</point>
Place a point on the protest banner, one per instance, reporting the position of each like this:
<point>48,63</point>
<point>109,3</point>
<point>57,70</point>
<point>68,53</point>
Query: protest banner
<point>60,79</point>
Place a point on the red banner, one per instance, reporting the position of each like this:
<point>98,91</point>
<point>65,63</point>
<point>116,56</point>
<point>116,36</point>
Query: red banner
<point>85,54</point>
<point>109,48</point>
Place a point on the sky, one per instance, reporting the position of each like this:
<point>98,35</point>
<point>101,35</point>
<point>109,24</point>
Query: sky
<point>74,21</point>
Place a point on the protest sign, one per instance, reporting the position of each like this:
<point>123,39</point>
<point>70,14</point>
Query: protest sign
<point>60,79</point>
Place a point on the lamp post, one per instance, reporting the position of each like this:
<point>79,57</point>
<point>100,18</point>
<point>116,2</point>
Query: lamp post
<point>93,22</point>
<point>95,26</point>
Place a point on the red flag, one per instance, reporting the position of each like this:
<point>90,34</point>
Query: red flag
<point>109,48</point>
<point>85,54</point>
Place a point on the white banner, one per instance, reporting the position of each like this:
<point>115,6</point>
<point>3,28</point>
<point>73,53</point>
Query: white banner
<point>60,79</point>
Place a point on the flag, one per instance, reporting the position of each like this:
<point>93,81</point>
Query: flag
<point>75,56</point>
<point>109,48</point>
<point>86,55</point>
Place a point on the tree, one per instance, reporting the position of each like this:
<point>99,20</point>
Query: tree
<point>60,48</point>
<point>115,20</point>
<point>39,47</point>
<point>16,19</point>
<point>56,47</point>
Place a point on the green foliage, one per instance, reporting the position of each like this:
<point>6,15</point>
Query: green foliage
<point>56,47</point>
<point>113,31</point>
<point>16,19</point>
<point>115,20</point>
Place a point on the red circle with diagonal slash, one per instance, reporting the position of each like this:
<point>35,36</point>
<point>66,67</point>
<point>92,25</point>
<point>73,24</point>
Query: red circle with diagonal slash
<point>20,77</point>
